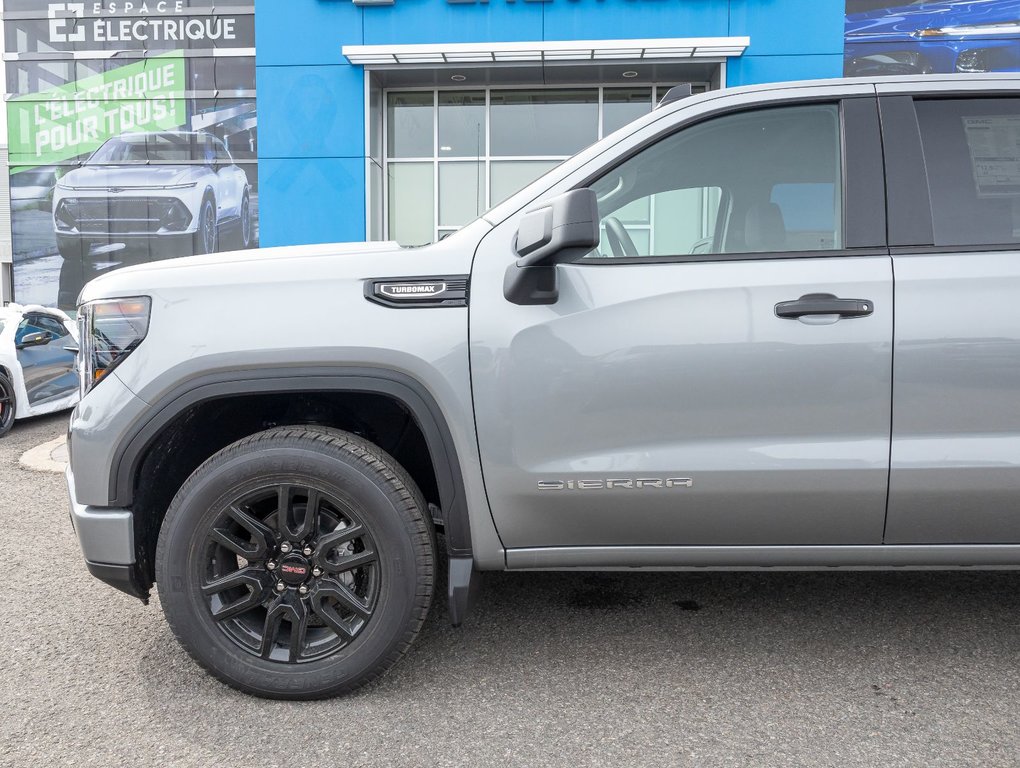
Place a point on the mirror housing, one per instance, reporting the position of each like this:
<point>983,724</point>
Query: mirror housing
<point>561,229</point>
<point>37,339</point>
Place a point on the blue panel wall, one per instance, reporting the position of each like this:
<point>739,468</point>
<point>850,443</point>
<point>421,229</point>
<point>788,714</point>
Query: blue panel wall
<point>311,102</point>
<point>750,70</point>
<point>311,200</point>
<point>602,19</point>
<point>312,128</point>
<point>790,40</point>
<point>439,21</point>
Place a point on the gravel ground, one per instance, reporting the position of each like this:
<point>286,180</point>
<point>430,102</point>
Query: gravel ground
<point>805,669</point>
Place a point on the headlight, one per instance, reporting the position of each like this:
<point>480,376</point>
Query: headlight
<point>109,331</point>
<point>180,186</point>
<point>1006,28</point>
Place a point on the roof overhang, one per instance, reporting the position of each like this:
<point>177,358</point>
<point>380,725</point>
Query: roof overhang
<point>548,51</point>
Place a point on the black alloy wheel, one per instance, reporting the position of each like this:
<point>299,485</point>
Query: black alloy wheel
<point>297,563</point>
<point>8,404</point>
<point>291,572</point>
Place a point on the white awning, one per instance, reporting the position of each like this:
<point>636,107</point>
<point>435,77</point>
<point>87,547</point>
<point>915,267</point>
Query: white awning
<point>549,50</point>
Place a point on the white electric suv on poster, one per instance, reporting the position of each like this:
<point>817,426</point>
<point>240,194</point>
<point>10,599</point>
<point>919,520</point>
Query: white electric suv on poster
<point>165,193</point>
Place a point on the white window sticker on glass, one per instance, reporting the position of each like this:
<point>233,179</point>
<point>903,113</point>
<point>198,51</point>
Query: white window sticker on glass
<point>994,143</point>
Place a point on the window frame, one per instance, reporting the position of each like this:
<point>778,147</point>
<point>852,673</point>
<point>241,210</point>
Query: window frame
<point>656,87</point>
<point>911,219</point>
<point>862,173</point>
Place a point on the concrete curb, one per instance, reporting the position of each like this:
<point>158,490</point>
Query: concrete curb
<point>48,457</point>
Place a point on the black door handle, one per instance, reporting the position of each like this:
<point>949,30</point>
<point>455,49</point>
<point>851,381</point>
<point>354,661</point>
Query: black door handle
<point>824,304</point>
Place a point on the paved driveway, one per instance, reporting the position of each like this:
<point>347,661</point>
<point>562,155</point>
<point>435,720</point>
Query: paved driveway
<point>806,669</point>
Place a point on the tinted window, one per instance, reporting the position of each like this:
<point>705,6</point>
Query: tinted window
<point>29,325</point>
<point>51,324</point>
<point>972,154</point>
<point>764,181</point>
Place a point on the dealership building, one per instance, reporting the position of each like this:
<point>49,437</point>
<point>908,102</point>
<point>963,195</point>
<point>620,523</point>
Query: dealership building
<point>375,119</point>
<point>406,119</point>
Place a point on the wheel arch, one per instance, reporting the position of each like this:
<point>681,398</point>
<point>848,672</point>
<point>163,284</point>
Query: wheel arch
<point>407,391</point>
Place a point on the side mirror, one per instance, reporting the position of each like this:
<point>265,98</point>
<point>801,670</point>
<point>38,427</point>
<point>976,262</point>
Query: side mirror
<point>37,339</point>
<point>562,229</point>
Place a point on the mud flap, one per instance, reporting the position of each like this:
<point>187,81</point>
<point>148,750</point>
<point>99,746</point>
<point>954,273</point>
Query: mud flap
<point>463,587</point>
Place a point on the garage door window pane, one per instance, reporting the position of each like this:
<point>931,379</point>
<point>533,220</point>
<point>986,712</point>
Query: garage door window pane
<point>462,124</point>
<point>509,176</point>
<point>543,123</point>
<point>972,154</point>
<point>409,124</point>
<point>461,193</point>
<point>411,203</point>
<point>623,105</point>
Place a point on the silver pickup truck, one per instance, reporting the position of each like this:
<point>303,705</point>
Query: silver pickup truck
<point>769,327</point>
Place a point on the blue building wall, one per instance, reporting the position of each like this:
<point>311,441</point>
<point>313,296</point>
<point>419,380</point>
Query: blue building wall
<point>311,102</point>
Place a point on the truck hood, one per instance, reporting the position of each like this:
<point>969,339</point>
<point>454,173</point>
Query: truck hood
<point>290,266</point>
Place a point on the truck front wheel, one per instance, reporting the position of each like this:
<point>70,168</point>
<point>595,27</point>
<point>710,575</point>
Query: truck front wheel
<point>297,563</point>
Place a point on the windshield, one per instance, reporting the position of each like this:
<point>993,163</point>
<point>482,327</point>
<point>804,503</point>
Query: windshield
<point>152,148</point>
<point>33,178</point>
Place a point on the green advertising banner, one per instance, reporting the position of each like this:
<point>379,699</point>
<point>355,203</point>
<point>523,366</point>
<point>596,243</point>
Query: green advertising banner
<point>75,119</point>
<point>127,144</point>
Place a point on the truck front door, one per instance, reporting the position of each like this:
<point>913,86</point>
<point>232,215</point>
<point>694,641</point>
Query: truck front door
<point>717,371</point>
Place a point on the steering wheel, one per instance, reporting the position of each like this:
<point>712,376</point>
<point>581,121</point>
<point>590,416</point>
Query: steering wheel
<point>619,240</point>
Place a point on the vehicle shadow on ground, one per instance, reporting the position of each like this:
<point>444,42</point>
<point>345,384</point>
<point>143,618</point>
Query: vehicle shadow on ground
<point>541,638</point>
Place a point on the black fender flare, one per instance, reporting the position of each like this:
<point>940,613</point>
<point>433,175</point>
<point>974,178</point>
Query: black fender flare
<point>410,392</point>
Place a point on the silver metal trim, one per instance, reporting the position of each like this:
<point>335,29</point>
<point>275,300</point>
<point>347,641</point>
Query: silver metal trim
<point>644,49</point>
<point>393,290</point>
<point>788,558</point>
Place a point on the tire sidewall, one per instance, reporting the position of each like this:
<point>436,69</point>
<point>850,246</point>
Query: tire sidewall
<point>182,546</point>
<point>245,229</point>
<point>200,247</point>
<point>7,384</point>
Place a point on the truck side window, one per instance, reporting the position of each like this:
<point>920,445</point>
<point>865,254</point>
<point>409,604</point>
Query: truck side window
<point>972,155</point>
<point>761,181</point>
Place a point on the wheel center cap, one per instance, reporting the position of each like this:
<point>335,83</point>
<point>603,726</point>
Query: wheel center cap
<point>294,569</point>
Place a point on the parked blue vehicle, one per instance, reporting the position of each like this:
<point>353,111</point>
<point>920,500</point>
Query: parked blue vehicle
<point>934,37</point>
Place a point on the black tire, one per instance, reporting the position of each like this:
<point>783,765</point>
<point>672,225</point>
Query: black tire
<point>206,237</point>
<point>73,277</point>
<point>73,248</point>
<point>244,225</point>
<point>372,502</point>
<point>8,404</point>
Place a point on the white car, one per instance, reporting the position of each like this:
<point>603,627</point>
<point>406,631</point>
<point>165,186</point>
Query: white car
<point>37,363</point>
<point>148,190</point>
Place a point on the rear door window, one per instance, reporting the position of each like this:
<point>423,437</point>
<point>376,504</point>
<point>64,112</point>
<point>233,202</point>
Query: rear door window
<point>972,155</point>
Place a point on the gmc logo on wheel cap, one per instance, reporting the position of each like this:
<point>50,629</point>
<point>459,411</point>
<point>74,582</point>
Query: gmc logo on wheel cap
<point>297,570</point>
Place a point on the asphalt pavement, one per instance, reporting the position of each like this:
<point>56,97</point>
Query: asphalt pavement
<point>707,669</point>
